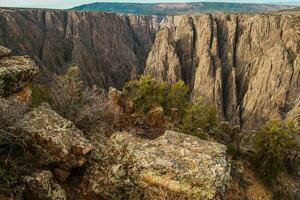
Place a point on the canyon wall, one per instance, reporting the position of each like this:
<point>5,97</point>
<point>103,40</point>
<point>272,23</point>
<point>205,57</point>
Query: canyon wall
<point>109,48</point>
<point>248,65</point>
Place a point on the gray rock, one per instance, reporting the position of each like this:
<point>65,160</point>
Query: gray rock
<point>15,73</point>
<point>53,138</point>
<point>176,165</point>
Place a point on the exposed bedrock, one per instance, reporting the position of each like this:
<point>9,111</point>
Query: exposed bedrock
<point>246,64</point>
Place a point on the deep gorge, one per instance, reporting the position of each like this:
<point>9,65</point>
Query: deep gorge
<point>248,65</point>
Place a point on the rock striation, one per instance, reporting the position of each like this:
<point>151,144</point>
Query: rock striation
<point>175,165</point>
<point>247,65</point>
<point>109,48</point>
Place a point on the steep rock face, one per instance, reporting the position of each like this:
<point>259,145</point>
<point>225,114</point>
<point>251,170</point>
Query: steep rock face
<point>247,65</point>
<point>109,48</point>
<point>174,166</point>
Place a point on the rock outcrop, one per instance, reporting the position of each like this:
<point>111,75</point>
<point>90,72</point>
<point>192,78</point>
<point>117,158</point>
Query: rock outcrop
<point>175,165</point>
<point>15,72</point>
<point>246,64</point>
<point>54,139</point>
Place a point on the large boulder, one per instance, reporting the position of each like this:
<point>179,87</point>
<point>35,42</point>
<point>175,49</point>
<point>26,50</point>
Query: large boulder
<point>54,139</point>
<point>173,166</point>
<point>15,73</point>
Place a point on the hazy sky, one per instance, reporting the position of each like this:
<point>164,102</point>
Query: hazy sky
<point>72,3</point>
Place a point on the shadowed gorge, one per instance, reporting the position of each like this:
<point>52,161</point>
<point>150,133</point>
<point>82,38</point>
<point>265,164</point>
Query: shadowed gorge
<point>247,64</point>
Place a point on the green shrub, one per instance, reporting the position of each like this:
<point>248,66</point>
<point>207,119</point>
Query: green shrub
<point>200,119</point>
<point>40,93</point>
<point>178,97</point>
<point>274,142</point>
<point>146,93</point>
<point>195,118</point>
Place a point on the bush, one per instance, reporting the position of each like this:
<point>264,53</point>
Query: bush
<point>15,162</point>
<point>146,93</point>
<point>274,142</point>
<point>40,93</point>
<point>66,93</point>
<point>178,97</point>
<point>195,118</point>
<point>200,119</point>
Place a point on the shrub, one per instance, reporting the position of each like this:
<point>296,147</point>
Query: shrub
<point>14,164</point>
<point>146,93</point>
<point>274,142</point>
<point>200,119</point>
<point>66,93</point>
<point>195,118</point>
<point>40,93</point>
<point>178,97</point>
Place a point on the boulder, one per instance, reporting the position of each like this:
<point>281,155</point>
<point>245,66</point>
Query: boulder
<point>40,186</point>
<point>15,73</point>
<point>4,52</point>
<point>175,165</point>
<point>54,139</point>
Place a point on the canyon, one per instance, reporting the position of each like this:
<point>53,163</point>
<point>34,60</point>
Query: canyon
<point>247,65</point>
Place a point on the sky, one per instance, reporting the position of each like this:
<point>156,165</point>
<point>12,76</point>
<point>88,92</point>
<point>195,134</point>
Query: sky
<point>61,4</point>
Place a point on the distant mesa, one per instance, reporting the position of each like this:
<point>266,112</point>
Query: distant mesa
<point>180,8</point>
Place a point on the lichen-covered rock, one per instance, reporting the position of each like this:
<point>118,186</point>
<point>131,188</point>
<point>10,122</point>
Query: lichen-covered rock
<point>53,138</point>
<point>174,166</point>
<point>40,186</point>
<point>4,51</point>
<point>15,73</point>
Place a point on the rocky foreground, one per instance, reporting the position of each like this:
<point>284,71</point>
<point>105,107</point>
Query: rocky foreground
<point>173,166</point>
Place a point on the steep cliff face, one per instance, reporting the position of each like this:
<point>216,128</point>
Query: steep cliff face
<point>247,65</point>
<point>109,48</point>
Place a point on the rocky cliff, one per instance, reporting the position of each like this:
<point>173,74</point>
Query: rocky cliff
<point>246,64</point>
<point>109,48</point>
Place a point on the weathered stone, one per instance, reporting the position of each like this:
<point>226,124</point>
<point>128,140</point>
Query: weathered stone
<point>55,139</point>
<point>15,73</point>
<point>4,52</point>
<point>175,165</point>
<point>40,186</point>
<point>246,65</point>
<point>108,53</point>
